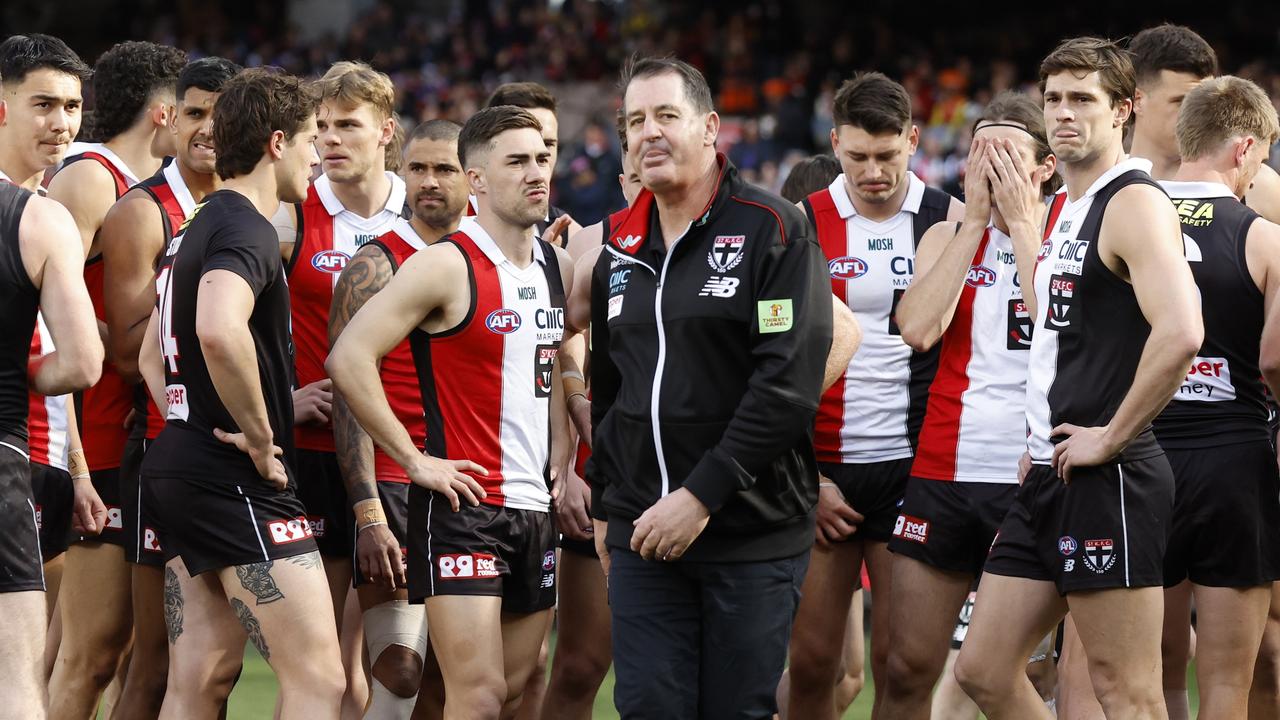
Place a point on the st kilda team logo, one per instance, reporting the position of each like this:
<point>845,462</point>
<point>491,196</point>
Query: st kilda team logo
<point>1020,325</point>
<point>1062,292</point>
<point>726,252</point>
<point>543,362</point>
<point>1099,555</point>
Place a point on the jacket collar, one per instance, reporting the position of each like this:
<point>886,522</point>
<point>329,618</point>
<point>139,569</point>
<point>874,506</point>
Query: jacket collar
<point>634,231</point>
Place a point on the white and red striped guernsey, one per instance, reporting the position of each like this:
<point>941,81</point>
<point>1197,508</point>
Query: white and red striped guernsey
<point>872,413</point>
<point>47,436</point>
<point>399,377</point>
<point>975,427</point>
<point>486,384</point>
<point>329,235</point>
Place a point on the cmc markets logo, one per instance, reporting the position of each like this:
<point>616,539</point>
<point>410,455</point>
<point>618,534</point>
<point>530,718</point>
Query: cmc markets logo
<point>330,261</point>
<point>980,276</point>
<point>503,321</point>
<point>847,267</point>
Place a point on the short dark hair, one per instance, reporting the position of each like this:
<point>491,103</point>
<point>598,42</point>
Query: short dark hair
<point>1171,47</point>
<point>125,78</point>
<point>209,74</point>
<point>1015,107</point>
<point>488,124</point>
<point>21,55</point>
<point>434,130</point>
<point>872,102</point>
<point>252,106</point>
<point>1090,54</point>
<point>809,176</point>
<point>696,89</point>
<point>527,95</point>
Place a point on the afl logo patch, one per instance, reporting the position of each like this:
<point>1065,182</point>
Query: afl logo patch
<point>1046,249</point>
<point>503,321</point>
<point>1067,545</point>
<point>330,261</point>
<point>847,268</point>
<point>980,276</point>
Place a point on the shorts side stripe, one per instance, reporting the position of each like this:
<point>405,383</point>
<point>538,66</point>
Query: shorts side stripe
<point>1124,525</point>
<point>431,560</point>
<point>254,521</point>
<point>39,552</point>
<point>16,449</point>
<point>137,532</point>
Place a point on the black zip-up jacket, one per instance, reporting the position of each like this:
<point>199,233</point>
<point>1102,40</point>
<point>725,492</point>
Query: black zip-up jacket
<point>730,331</point>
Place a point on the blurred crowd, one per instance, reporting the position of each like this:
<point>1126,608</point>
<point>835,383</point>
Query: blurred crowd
<point>773,65</point>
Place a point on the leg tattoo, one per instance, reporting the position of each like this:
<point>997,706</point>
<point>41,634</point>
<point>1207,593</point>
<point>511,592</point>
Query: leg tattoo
<point>256,578</point>
<point>172,605</point>
<point>252,627</point>
<point>310,560</point>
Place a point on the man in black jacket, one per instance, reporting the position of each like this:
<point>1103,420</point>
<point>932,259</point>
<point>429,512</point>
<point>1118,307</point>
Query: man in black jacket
<point>711,320</point>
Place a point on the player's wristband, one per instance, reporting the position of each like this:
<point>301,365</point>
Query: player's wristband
<point>576,394</point>
<point>369,513</point>
<point>81,476</point>
<point>573,375</point>
<point>76,464</point>
<point>828,484</point>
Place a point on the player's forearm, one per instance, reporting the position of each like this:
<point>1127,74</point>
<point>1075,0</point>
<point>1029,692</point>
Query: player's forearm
<point>1026,248</point>
<point>846,336</point>
<point>355,452</point>
<point>1163,366</point>
<point>926,308</point>
<point>354,372</point>
<point>67,370</point>
<point>233,368</point>
<point>151,364</point>
<point>123,345</point>
<point>561,438</point>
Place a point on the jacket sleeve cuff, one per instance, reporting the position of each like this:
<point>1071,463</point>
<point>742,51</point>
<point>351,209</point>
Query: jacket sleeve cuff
<point>715,479</point>
<point>597,503</point>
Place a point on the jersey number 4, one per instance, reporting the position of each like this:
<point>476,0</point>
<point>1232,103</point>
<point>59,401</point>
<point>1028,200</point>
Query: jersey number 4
<point>168,343</point>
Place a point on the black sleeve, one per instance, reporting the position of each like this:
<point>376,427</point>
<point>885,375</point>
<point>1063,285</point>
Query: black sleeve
<point>248,249</point>
<point>791,331</point>
<point>604,375</point>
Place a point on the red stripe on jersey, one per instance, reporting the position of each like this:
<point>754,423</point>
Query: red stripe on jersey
<point>105,406</point>
<point>940,435</point>
<point>310,294</point>
<point>465,375</point>
<point>1055,209</point>
<point>834,240</point>
<point>174,217</point>
<point>400,381</point>
<point>37,414</point>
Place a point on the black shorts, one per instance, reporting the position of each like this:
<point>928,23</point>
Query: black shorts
<point>323,494</point>
<point>21,566</point>
<point>140,528</point>
<point>107,483</point>
<point>1107,529</point>
<point>481,550</point>
<point>1226,516</point>
<point>585,548</point>
<point>53,495</point>
<point>873,489</point>
<point>395,504</point>
<point>951,525</point>
<point>235,521</point>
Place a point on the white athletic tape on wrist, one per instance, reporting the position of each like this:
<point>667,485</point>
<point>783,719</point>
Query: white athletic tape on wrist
<point>386,705</point>
<point>395,623</point>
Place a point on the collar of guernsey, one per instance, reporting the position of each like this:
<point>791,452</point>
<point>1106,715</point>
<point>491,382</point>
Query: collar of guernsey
<point>844,205</point>
<point>404,229</point>
<point>333,206</point>
<point>40,189</point>
<point>1120,168</point>
<point>472,229</point>
<point>76,148</point>
<point>1196,189</point>
<point>178,186</point>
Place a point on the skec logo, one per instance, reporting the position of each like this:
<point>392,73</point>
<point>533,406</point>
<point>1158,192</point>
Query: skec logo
<point>503,321</point>
<point>330,261</point>
<point>847,267</point>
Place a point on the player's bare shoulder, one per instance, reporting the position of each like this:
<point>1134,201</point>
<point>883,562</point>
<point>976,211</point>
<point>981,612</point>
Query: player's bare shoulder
<point>1263,196</point>
<point>46,229</point>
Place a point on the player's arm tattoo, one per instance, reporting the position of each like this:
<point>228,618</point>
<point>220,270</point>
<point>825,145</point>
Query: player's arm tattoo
<point>252,627</point>
<point>256,578</point>
<point>368,272</point>
<point>172,605</point>
<point>309,560</point>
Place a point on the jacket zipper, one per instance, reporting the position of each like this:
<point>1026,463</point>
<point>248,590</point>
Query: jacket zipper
<point>662,357</point>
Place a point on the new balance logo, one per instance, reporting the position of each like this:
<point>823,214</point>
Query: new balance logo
<point>721,287</point>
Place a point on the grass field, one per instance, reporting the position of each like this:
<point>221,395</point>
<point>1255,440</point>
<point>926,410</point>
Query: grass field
<point>255,695</point>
